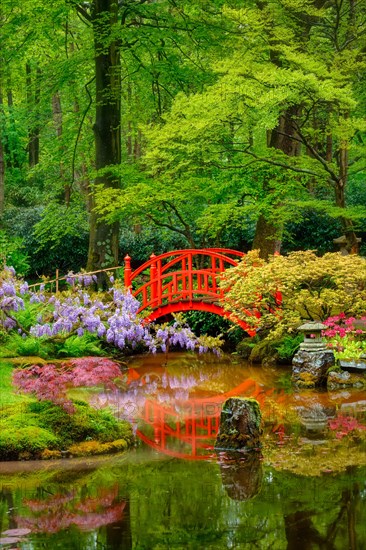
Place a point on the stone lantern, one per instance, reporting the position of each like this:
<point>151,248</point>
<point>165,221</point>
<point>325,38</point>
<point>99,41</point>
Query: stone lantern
<point>312,336</point>
<point>341,242</point>
<point>313,360</point>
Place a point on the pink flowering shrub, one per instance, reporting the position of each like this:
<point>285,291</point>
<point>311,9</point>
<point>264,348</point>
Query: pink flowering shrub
<point>344,425</point>
<point>341,325</point>
<point>344,338</point>
<point>51,382</point>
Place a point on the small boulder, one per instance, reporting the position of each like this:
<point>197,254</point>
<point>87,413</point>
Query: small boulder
<point>309,368</point>
<point>240,425</point>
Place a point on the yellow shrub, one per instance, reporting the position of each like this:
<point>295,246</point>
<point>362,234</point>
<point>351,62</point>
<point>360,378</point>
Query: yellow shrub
<point>312,288</point>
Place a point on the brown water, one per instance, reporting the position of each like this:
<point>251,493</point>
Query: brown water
<point>306,489</point>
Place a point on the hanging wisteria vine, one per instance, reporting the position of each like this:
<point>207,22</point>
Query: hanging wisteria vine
<point>111,316</point>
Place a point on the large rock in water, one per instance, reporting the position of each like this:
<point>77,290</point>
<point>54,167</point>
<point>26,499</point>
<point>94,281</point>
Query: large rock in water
<point>309,368</point>
<point>240,425</point>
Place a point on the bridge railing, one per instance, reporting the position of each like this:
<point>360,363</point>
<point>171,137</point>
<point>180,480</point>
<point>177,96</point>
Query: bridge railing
<point>182,275</point>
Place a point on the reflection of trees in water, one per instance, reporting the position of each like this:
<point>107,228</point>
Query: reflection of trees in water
<point>6,497</point>
<point>302,534</point>
<point>178,504</point>
<point>241,474</point>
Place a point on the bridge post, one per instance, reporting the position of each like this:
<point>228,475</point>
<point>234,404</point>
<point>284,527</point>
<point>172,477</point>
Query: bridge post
<point>127,271</point>
<point>153,280</point>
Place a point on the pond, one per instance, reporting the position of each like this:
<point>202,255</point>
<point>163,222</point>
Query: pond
<point>306,489</point>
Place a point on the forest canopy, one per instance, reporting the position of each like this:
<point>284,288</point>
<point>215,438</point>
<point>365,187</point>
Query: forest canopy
<point>143,126</point>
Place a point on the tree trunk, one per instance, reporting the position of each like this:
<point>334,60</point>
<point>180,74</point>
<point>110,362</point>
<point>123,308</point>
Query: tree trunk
<point>33,107</point>
<point>2,153</point>
<point>103,240</point>
<point>267,237</point>
<point>268,232</point>
<point>57,119</point>
<point>340,199</point>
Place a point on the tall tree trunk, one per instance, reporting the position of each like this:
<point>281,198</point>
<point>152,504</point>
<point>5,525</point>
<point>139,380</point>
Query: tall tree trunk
<point>340,199</point>
<point>103,240</point>
<point>57,119</point>
<point>33,100</point>
<point>2,153</point>
<point>268,231</point>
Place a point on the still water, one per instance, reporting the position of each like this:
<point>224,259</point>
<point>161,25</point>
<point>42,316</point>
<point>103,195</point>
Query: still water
<point>305,489</point>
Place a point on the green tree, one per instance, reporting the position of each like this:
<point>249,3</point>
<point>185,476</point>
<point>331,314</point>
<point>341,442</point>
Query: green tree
<point>284,106</point>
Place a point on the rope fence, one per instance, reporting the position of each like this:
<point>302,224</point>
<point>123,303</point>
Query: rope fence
<point>57,278</point>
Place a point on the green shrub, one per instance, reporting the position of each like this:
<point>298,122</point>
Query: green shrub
<point>29,315</point>
<point>264,348</point>
<point>244,348</point>
<point>86,423</point>
<point>16,346</point>
<point>288,346</point>
<point>12,253</point>
<point>202,322</point>
<point>26,442</point>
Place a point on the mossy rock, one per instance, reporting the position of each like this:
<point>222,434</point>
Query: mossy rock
<point>240,424</point>
<point>39,429</point>
<point>86,423</point>
<point>345,379</point>
<point>306,380</point>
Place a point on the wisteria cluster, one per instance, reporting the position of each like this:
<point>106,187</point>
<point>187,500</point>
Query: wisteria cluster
<point>111,316</point>
<point>81,279</point>
<point>10,298</point>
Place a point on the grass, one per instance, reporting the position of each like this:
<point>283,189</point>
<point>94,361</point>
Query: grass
<point>7,393</point>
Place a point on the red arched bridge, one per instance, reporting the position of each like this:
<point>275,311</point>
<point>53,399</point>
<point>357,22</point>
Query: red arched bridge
<point>183,280</point>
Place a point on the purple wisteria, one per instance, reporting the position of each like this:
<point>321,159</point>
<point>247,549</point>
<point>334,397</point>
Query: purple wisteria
<point>81,279</point>
<point>111,316</point>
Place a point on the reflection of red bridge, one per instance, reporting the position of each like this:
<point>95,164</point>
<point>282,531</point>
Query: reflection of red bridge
<point>183,280</point>
<point>190,433</point>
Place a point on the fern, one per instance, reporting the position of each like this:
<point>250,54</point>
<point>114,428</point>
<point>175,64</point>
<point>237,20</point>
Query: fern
<point>80,346</point>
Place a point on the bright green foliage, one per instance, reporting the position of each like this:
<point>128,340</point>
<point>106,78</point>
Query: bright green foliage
<point>299,65</point>
<point>80,346</point>
<point>312,288</point>
<point>288,346</point>
<point>204,86</point>
<point>15,346</point>
<point>12,253</point>
<point>39,426</point>
<point>7,394</point>
<point>348,347</point>
<point>86,423</point>
<point>59,222</point>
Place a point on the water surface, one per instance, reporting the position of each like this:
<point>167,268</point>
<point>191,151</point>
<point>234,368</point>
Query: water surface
<point>306,488</point>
